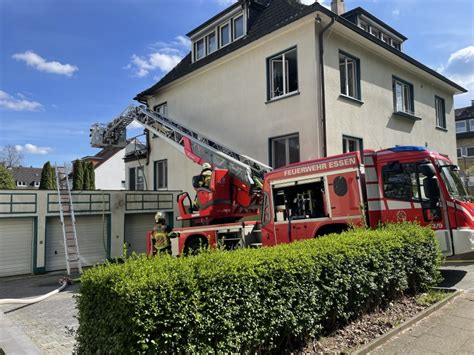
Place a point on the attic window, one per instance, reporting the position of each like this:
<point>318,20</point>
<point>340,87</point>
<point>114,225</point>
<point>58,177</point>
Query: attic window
<point>225,34</point>
<point>199,49</point>
<point>238,27</point>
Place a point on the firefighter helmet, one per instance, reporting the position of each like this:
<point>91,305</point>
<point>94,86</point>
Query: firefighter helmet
<point>160,218</point>
<point>206,166</point>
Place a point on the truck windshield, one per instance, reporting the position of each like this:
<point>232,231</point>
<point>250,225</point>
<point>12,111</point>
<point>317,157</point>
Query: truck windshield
<point>452,180</point>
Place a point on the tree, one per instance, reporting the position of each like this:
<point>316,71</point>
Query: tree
<point>48,177</point>
<point>91,176</point>
<point>87,176</point>
<point>7,182</point>
<point>10,156</point>
<point>78,175</point>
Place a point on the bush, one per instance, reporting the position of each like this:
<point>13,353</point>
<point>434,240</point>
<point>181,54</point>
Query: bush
<point>7,181</point>
<point>251,300</point>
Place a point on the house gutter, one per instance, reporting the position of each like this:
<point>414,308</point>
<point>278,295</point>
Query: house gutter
<point>323,91</point>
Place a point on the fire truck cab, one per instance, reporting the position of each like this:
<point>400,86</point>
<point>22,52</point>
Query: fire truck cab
<point>404,183</point>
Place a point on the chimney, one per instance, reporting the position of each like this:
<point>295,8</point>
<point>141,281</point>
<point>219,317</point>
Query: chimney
<point>337,6</point>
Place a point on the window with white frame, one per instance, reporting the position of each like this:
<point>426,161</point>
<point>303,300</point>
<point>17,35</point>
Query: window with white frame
<point>459,152</point>
<point>469,151</point>
<point>440,112</point>
<point>224,34</point>
<point>403,100</point>
<point>199,49</point>
<point>284,150</point>
<point>238,27</point>
<point>162,109</point>
<point>461,127</point>
<point>471,125</point>
<point>349,71</point>
<point>351,144</point>
<point>211,43</point>
<point>283,74</point>
<point>161,174</point>
<point>36,183</point>
<point>136,178</point>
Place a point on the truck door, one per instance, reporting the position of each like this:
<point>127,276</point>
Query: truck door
<point>344,194</point>
<point>411,193</point>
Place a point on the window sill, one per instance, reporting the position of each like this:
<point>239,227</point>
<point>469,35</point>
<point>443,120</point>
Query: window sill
<point>407,115</point>
<point>281,97</point>
<point>441,128</point>
<point>351,99</point>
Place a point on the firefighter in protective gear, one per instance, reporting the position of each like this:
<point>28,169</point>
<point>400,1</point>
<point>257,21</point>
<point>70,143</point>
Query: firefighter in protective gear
<point>160,236</point>
<point>206,174</point>
<point>205,182</point>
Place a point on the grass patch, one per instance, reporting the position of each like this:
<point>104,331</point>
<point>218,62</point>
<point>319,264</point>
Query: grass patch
<point>431,297</point>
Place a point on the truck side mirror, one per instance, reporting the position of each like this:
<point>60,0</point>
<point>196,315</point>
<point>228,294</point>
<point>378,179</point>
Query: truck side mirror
<point>427,170</point>
<point>431,188</point>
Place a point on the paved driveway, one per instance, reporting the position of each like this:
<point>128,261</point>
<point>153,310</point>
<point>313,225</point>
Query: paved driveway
<point>48,324</point>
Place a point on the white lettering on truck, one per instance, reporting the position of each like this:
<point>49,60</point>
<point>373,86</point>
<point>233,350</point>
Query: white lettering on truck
<point>320,166</point>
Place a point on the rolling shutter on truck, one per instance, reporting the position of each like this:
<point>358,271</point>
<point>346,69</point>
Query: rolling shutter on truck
<point>92,236</point>
<point>16,246</point>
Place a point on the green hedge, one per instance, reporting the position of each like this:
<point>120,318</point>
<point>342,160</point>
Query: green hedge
<point>254,299</point>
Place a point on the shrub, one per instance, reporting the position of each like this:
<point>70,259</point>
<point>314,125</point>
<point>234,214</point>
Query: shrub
<point>251,300</point>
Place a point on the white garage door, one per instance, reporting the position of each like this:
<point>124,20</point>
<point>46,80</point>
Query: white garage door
<point>92,237</point>
<point>16,246</point>
<point>136,228</point>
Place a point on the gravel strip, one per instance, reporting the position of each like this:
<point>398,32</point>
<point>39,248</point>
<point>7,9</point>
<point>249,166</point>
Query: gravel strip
<point>366,328</point>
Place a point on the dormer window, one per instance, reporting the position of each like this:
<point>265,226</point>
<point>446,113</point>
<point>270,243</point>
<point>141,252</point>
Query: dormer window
<point>380,32</point>
<point>211,43</point>
<point>238,27</point>
<point>199,49</point>
<point>218,34</point>
<point>225,34</point>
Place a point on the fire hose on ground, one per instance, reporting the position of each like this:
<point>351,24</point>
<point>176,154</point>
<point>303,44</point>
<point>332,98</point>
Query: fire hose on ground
<point>64,282</point>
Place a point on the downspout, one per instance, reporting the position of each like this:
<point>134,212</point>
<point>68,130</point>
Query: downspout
<point>323,91</point>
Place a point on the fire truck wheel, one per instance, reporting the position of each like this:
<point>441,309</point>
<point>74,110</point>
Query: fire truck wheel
<point>331,228</point>
<point>194,245</point>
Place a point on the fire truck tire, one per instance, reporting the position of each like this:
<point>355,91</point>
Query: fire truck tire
<point>194,244</point>
<point>331,228</point>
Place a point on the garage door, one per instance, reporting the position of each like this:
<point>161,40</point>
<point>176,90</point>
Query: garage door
<point>92,237</point>
<point>16,246</point>
<point>136,228</point>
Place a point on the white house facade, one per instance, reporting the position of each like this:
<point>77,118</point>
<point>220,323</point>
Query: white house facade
<point>284,82</point>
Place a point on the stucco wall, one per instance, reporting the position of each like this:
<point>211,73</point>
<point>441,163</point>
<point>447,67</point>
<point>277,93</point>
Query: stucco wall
<point>227,100</point>
<point>374,120</point>
<point>110,174</point>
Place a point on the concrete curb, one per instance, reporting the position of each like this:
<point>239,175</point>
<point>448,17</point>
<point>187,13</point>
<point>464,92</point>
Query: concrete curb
<point>407,324</point>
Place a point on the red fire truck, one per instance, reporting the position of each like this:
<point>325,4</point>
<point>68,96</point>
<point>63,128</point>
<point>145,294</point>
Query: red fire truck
<point>248,205</point>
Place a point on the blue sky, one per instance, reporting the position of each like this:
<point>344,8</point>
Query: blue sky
<point>65,64</point>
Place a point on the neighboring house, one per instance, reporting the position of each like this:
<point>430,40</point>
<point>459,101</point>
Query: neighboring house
<point>465,141</point>
<point>26,178</point>
<point>136,161</point>
<point>109,168</point>
<point>284,82</point>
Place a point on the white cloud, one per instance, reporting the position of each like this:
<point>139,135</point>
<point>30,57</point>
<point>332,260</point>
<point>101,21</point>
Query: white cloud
<point>36,61</point>
<point>225,2</point>
<point>32,149</point>
<point>18,104</point>
<point>396,12</point>
<point>164,56</point>
<point>460,69</point>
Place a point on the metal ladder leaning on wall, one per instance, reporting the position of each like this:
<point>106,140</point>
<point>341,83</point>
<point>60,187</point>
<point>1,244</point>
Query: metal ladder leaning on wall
<point>68,222</point>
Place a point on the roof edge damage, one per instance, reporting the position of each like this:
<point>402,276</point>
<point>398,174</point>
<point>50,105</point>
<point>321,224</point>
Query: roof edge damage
<point>185,66</point>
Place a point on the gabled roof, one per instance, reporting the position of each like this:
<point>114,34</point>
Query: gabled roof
<point>360,10</point>
<point>28,175</point>
<point>102,156</point>
<point>277,14</point>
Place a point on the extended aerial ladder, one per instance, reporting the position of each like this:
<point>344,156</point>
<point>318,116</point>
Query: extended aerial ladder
<point>246,174</point>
